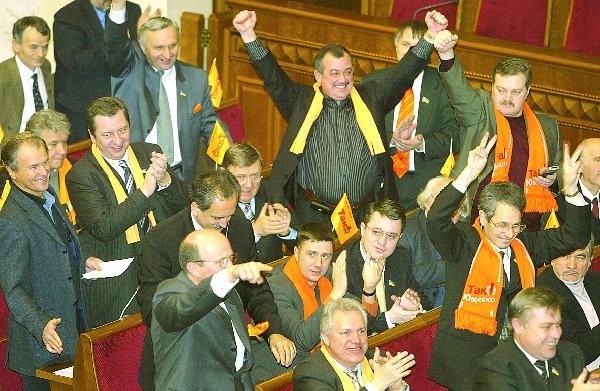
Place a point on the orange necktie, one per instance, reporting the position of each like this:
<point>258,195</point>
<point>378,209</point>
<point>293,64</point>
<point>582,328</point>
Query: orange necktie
<point>407,106</point>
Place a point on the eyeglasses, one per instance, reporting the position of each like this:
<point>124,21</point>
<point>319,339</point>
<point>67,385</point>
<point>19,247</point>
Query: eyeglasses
<point>254,178</point>
<point>223,262</point>
<point>518,228</point>
<point>378,232</point>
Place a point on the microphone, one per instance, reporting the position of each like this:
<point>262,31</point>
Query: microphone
<point>432,6</point>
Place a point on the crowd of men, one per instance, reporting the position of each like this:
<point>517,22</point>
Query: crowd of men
<point>199,241</point>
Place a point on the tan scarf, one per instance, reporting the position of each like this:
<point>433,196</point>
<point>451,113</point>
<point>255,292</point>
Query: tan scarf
<point>132,233</point>
<point>365,120</point>
<point>539,198</point>
<point>477,309</point>
<point>306,292</point>
<point>367,372</point>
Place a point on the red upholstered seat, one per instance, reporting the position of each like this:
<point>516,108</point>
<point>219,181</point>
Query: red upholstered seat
<point>233,116</point>
<point>596,264</point>
<point>9,380</point>
<point>583,32</point>
<point>404,10</point>
<point>513,20</point>
<point>117,359</point>
<point>419,343</point>
<point>3,317</point>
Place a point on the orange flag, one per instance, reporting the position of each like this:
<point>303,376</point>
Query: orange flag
<point>259,329</point>
<point>552,221</point>
<point>446,169</point>
<point>218,144</point>
<point>343,220</point>
<point>216,89</point>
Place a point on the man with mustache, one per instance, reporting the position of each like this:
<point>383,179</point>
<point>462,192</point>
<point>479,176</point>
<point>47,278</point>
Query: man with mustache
<point>528,142</point>
<point>570,276</point>
<point>336,141</point>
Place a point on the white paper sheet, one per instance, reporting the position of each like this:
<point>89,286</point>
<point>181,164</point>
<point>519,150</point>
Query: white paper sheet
<point>65,372</point>
<point>109,269</point>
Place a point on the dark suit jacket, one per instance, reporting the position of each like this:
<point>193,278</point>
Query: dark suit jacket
<point>103,222</point>
<point>81,70</point>
<point>574,323</point>
<point>437,125</point>
<point>316,373</point>
<point>12,99</point>
<point>136,83</point>
<point>37,281</point>
<point>507,368</point>
<point>194,345</point>
<point>457,245</point>
<point>294,99</point>
<point>560,199</point>
<point>398,275</point>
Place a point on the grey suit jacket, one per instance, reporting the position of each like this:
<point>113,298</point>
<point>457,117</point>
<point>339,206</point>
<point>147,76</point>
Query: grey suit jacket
<point>136,82</point>
<point>507,368</point>
<point>194,346</point>
<point>12,100</point>
<point>103,222</point>
<point>36,280</point>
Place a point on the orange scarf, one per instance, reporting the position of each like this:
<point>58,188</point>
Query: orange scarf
<point>477,309</point>
<point>539,198</point>
<point>63,194</point>
<point>306,292</point>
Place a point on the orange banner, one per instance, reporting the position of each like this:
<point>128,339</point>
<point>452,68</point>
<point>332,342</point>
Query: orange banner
<point>342,220</point>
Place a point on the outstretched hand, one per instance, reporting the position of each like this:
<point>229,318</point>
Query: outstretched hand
<point>436,22</point>
<point>477,160</point>
<point>444,43</point>
<point>571,169</point>
<point>244,23</point>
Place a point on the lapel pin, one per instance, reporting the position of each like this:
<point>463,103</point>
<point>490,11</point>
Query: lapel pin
<point>182,93</point>
<point>425,100</point>
<point>555,372</point>
<point>391,283</point>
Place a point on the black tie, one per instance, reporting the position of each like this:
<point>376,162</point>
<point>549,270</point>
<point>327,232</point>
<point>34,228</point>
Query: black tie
<point>541,365</point>
<point>37,97</point>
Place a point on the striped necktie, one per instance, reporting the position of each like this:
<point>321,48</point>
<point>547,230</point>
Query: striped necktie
<point>407,107</point>
<point>127,177</point>
<point>541,365</point>
<point>248,212</point>
<point>37,97</point>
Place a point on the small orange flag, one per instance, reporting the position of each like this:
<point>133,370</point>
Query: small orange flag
<point>216,89</point>
<point>259,329</point>
<point>343,220</point>
<point>218,144</point>
<point>552,221</point>
<point>446,169</point>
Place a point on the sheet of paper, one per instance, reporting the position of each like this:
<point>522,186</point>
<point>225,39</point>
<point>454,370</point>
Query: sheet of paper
<point>65,372</point>
<point>109,269</point>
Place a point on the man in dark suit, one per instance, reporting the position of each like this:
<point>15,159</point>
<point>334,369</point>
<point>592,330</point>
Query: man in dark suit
<point>26,83</point>
<point>340,363</point>
<point>214,199</point>
<point>199,330</point>
<point>571,278</point>
<point>116,203</point>
<point>81,70</point>
<point>325,153</point>
<point>426,147</point>
<point>533,358</point>
<point>488,262</point>
<point>40,266</point>
<point>270,222</point>
<point>379,271</point>
<point>172,98</point>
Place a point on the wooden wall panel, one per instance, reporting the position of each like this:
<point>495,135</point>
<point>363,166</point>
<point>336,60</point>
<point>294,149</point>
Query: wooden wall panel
<point>564,84</point>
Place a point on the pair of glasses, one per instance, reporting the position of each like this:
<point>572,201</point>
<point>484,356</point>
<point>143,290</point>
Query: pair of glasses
<point>254,178</point>
<point>514,228</point>
<point>223,262</point>
<point>378,232</point>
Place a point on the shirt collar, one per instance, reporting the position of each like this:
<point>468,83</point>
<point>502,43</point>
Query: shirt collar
<point>24,70</point>
<point>586,193</point>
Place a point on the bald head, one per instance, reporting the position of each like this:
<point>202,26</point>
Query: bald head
<point>590,158</point>
<point>204,253</point>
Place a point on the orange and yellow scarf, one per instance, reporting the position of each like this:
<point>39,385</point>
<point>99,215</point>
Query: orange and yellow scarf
<point>307,292</point>
<point>539,198</point>
<point>367,372</point>
<point>478,305</point>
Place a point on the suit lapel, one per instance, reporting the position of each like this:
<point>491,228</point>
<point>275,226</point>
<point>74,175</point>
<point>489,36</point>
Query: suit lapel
<point>425,107</point>
<point>16,86</point>
<point>236,314</point>
<point>182,98</point>
<point>35,214</point>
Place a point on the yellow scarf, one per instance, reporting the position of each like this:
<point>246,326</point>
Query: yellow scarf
<point>5,192</point>
<point>363,117</point>
<point>63,193</point>
<point>367,372</point>
<point>307,292</point>
<point>539,198</point>
<point>132,233</point>
<point>477,309</point>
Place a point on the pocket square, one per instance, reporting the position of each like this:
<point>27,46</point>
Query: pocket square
<point>425,100</point>
<point>198,108</point>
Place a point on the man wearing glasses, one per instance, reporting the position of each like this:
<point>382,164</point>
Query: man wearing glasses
<point>489,262</point>
<point>198,326</point>
<point>380,272</point>
<point>270,222</point>
<point>214,199</point>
